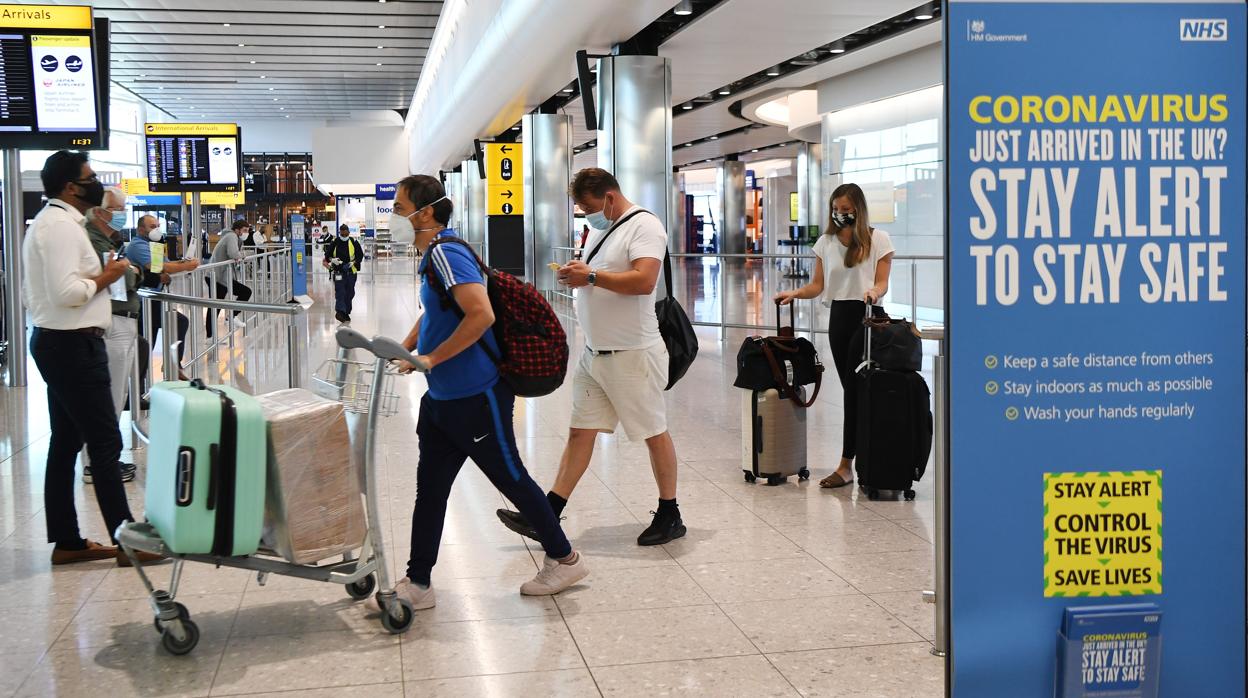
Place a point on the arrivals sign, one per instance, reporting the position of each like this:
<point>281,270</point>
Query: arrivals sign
<point>48,88</point>
<point>1095,255</point>
<point>504,167</point>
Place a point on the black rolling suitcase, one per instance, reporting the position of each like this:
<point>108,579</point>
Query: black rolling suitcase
<point>894,437</point>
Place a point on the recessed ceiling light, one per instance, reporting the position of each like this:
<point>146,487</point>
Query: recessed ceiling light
<point>806,59</point>
<point>275,99</point>
<point>226,24</point>
<point>687,107</point>
<point>263,77</point>
<point>381,26</point>
<point>923,16</point>
<point>773,71</point>
<point>714,138</point>
<point>242,45</point>
<point>838,47</point>
<point>925,12</point>
<point>281,108</point>
<point>378,64</point>
<point>253,62</point>
<point>567,89</point>
<point>380,48</point>
<point>688,145</point>
<point>179,99</point>
<point>754,151</point>
<point>683,8</point>
<point>288,116</point>
<point>725,91</point>
<point>160,87</point>
<point>272,88</point>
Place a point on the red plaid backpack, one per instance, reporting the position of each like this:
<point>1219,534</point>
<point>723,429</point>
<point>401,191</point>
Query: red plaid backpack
<point>533,344</point>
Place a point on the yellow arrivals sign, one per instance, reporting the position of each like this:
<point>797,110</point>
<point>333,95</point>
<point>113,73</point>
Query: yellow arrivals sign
<point>1102,533</point>
<point>182,129</point>
<point>45,17</point>
<point>504,179</point>
<point>135,187</point>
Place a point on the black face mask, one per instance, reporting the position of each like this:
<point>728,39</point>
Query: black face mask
<point>92,192</point>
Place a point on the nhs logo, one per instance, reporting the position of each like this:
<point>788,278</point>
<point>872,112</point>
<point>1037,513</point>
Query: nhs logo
<point>1202,30</point>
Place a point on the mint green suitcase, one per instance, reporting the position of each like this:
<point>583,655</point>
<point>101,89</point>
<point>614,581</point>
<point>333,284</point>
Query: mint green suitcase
<point>206,468</point>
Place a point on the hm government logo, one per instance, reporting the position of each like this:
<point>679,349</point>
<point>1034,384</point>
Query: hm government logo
<point>1202,30</point>
<point>977,32</point>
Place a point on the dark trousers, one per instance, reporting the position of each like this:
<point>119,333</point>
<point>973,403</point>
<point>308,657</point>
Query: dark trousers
<point>478,427</point>
<point>846,338</point>
<point>344,291</point>
<point>184,324</point>
<point>80,408</point>
<point>242,292</point>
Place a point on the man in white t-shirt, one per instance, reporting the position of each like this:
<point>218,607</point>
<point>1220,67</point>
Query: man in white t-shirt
<point>623,370</point>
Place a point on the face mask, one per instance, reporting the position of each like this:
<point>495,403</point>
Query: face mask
<point>401,230</point>
<point>119,220</point>
<point>155,235</point>
<point>843,220</point>
<point>93,193</point>
<point>598,221</point>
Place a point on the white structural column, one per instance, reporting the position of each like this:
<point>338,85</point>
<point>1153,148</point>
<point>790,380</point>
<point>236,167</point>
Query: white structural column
<point>473,204</point>
<point>635,122</point>
<point>14,311</point>
<point>812,205</point>
<point>730,185</point>
<point>547,206</point>
<point>454,187</point>
<point>676,217</point>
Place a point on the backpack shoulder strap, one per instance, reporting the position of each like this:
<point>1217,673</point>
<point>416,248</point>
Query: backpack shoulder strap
<point>448,301</point>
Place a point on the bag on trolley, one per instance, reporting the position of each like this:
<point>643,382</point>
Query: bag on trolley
<point>206,468</point>
<point>314,508</point>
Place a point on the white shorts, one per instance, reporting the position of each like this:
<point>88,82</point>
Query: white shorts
<point>625,387</point>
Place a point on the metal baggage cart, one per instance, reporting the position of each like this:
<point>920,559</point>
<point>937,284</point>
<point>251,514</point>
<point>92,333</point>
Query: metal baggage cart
<point>363,388</point>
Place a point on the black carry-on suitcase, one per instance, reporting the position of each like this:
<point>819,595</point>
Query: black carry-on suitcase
<point>894,436</point>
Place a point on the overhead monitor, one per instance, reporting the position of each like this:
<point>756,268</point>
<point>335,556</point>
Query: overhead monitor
<point>49,91</point>
<point>193,157</point>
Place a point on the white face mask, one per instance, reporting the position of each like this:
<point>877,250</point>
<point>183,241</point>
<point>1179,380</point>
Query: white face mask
<point>155,235</point>
<point>401,230</point>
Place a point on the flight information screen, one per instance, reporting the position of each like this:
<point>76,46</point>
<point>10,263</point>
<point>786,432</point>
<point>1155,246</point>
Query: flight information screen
<point>193,157</point>
<point>49,93</point>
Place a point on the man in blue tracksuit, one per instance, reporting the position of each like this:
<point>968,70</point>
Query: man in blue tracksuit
<point>343,257</point>
<point>468,410</point>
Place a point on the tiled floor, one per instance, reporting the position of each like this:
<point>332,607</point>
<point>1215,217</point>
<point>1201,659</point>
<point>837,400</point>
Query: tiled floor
<point>778,591</point>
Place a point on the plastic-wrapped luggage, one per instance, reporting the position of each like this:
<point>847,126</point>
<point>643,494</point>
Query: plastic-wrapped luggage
<point>206,468</point>
<point>313,509</point>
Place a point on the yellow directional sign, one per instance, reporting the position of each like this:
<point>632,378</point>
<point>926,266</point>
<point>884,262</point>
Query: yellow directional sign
<point>228,199</point>
<point>183,129</point>
<point>45,17</point>
<point>504,179</point>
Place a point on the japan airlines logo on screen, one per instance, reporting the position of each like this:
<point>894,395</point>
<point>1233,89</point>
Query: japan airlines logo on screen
<point>1202,30</point>
<point>49,63</point>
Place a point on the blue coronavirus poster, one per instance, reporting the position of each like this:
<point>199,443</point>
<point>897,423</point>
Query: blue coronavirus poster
<point>1095,266</point>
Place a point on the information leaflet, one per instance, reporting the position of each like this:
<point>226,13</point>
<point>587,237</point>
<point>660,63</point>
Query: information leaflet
<point>1096,318</point>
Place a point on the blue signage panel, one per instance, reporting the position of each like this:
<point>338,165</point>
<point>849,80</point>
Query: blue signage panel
<point>1096,315</point>
<point>298,250</point>
<point>385,192</point>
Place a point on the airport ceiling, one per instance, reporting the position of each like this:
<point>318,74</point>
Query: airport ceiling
<point>269,59</point>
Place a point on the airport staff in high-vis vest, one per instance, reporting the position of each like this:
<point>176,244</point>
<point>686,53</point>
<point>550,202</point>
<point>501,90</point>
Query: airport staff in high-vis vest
<point>343,258</point>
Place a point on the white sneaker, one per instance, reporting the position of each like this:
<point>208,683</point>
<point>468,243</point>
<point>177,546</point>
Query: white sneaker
<point>420,599</point>
<point>555,577</point>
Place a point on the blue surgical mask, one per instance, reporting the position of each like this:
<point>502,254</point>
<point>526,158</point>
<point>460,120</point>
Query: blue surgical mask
<point>598,220</point>
<point>119,220</point>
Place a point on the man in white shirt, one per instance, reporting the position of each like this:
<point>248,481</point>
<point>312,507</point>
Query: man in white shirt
<point>66,290</point>
<point>623,371</point>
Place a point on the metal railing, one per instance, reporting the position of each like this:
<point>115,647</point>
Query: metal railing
<point>808,308</point>
<point>258,334</point>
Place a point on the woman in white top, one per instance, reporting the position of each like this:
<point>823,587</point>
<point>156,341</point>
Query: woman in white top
<point>851,270</point>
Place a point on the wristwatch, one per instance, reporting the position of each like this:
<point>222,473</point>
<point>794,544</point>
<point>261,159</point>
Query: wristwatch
<point>593,278</point>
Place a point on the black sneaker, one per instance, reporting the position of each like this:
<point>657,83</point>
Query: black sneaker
<point>665,528</point>
<point>127,473</point>
<point>340,316</point>
<point>516,523</point>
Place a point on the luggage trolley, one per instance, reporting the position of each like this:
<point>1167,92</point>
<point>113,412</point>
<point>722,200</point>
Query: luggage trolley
<point>362,387</point>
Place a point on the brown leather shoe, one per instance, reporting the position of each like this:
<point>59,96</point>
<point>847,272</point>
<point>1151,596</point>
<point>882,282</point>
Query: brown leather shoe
<point>93,551</point>
<point>145,559</point>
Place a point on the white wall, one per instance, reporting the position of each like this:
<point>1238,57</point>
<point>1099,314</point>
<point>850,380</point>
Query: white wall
<point>359,155</point>
<point>279,136</point>
<point>905,73</point>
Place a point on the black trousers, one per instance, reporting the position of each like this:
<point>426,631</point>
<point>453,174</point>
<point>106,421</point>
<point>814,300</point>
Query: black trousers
<point>80,408</point>
<point>242,292</point>
<point>845,336</point>
<point>344,290</point>
<point>478,427</point>
<point>184,324</point>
